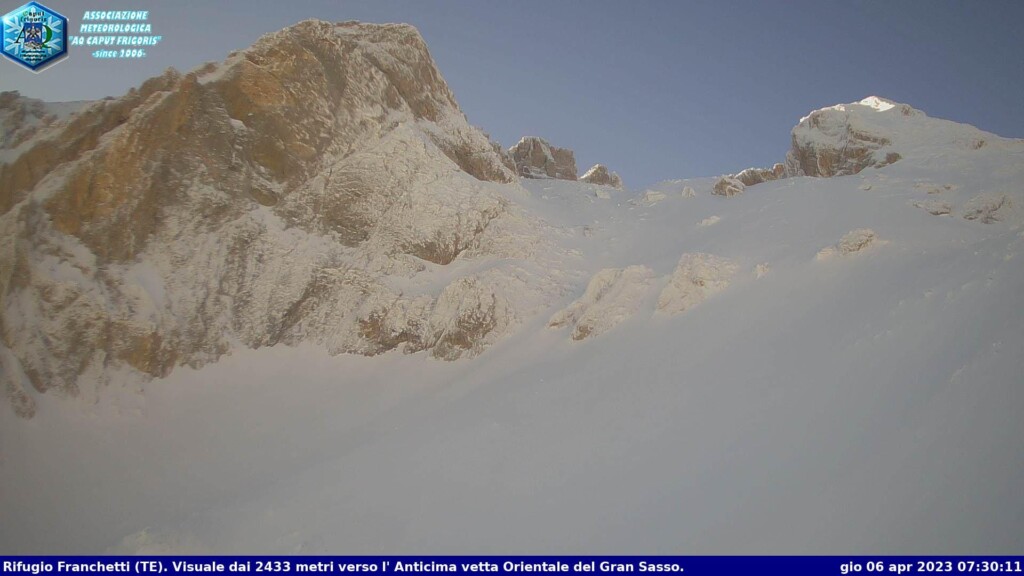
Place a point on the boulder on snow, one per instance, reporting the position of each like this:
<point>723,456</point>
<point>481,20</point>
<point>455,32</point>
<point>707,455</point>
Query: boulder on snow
<point>697,277</point>
<point>467,315</point>
<point>728,186</point>
<point>853,241</point>
<point>653,196</point>
<point>612,296</point>
<point>536,158</point>
<point>934,207</point>
<point>599,174</point>
<point>988,207</point>
<point>933,188</point>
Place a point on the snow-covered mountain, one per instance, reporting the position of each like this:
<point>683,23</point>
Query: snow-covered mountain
<point>318,186</point>
<point>820,357</point>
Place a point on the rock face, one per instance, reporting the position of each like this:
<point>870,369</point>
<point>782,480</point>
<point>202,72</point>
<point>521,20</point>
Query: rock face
<point>287,194</point>
<point>599,174</point>
<point>536,158</point>
<point>21,120</point>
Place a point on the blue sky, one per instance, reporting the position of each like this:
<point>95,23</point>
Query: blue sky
<point>654,89</point>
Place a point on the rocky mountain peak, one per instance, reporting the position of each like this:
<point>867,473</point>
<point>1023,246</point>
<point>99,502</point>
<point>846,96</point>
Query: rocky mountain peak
<point>276,197</point>
<point>599,174</point>
<point>536,158</point>
<point>874,132</point>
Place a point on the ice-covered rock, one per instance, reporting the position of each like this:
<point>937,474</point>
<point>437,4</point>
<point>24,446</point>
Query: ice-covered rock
<point>535,158</point>
<point>599,174</point>
<point>612,296</point>
<point>697,277</point>
<point>752,176</point>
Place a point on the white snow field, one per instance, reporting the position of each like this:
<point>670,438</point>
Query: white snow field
<point>869,402</point>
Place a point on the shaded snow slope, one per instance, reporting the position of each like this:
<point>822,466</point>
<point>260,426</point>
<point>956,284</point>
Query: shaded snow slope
<point>867,403</point>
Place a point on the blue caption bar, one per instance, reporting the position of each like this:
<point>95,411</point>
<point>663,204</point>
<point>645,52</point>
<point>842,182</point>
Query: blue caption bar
<point>696,565</point>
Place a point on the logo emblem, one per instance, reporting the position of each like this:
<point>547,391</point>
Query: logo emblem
<point>35,36</point>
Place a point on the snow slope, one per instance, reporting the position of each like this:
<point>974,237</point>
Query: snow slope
<point>863,403</point>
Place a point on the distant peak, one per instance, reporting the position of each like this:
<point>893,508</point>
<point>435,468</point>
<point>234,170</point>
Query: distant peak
<point>535,157</point>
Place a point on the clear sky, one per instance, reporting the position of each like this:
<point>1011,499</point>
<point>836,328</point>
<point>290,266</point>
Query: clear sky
<point>654,89</point>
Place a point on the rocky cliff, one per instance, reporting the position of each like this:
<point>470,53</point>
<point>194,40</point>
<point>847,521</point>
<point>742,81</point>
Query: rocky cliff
<point>536,158</point>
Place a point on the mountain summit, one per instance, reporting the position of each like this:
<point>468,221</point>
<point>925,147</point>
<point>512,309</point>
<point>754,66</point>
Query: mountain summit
<point>846,138</point>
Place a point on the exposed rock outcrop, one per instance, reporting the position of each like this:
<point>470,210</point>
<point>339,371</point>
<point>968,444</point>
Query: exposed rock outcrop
<point>733,184</point>
<point>599,174</point>
<point>536,158</point>
<point>728,186</point>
